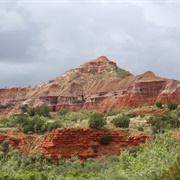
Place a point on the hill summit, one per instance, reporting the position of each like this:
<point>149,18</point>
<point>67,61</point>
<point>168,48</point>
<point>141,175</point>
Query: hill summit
<point>97,84</point>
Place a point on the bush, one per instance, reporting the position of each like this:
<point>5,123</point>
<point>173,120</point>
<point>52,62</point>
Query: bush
<point>5,146</point>
<point>152,160</point>
<point>62,112</point>
<point>39,110</point>
<point>160,123</point>
<point>121,121</point>
<point>172,105</point>
<point>42,110</point>
<point>133,114</point>
<point>159,104</point>
<point>53,125</point>
<point>94,147</point>
<point>34,125</point>
<point>173,172</point>
<point>24,108</point>
<point>105,139</point>
<point>140,128</point>
<point>113,112</point>
<point>97,120</point>
<point>133,151</point>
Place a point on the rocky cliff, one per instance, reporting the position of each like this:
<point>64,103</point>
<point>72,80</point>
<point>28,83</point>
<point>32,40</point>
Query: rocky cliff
<point>69,142</point>
<point>98,84</point>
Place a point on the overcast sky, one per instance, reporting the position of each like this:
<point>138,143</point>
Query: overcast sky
<point>40,40</point>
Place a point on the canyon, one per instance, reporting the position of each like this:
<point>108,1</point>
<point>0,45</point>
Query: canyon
<point>98,84</point>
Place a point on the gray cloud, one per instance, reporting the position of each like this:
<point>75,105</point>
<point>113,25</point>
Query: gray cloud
<point>42,40</point>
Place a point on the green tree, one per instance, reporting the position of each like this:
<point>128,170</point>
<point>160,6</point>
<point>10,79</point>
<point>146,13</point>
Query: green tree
<point>152,160</point>
<point>43,110</point>
<point>31,111</point>
<point>62,112</point>
<point>105,139</point>
<point>39,110</point>
<point>53,125</point>
<point>159,104</point>
<point>97,120</point>
<point>121,121</point>
<point>160,123</point>
<point>172,105</point>
<point>34,125</point>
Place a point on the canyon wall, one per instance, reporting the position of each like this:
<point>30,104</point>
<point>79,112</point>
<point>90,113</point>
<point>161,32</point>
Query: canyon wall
<point>98,84</point>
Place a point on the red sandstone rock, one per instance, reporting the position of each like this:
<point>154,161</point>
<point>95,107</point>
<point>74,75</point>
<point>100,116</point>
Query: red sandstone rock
<point>21,141</point>
<point>98,84</point>
<point>68,142</point>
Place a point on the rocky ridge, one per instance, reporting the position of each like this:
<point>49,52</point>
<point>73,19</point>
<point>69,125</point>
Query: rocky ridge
<point>98,84</point>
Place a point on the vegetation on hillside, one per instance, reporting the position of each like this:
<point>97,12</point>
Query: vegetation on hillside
<point>155,160</point>
<point>40,120</point>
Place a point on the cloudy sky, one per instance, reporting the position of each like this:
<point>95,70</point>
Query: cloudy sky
<point>41,39</point>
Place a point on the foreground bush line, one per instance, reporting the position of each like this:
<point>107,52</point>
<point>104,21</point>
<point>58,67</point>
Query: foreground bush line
<point>154,160</point>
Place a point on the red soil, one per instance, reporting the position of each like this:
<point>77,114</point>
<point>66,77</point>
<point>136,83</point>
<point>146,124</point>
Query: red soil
<point>68,142</point>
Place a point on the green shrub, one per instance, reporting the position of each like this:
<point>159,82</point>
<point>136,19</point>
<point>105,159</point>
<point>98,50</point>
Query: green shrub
<point>31,112</point>
<point>105,139</point>
<point>133,114</point>
<point>133,151</point>
<point>5,146</point>
<point>34,125</point>
<point>39,110</point>
<point>62,112</point>
<point>96,120</point>
<point>42,110</point>
<point>121,121</point>
<point>159,104</point>
<point>121,73</point>
<point>113,112</point>
<point>24,108</point>
<point>75,75</point>
<point>172,105</point>
<point>173,172</point>
<point>94,147</point>
<point>140,128</point>
<point>160,123</point>
<point>53,125</point>
<point>152,160</point>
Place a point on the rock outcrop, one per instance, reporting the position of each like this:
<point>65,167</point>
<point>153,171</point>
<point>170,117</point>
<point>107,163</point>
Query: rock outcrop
<point>85,142</point>
<point>22,142</point>
<point>66,143</point>
<point>98,84</point>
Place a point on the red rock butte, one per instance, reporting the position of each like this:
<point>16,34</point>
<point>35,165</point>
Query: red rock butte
<point>98,84</point>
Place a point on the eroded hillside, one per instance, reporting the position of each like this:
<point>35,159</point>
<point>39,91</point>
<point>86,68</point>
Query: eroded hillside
<point>98,84</point>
